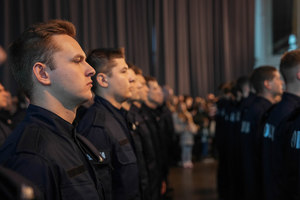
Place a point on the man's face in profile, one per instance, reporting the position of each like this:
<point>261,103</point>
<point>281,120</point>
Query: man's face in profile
<point>71,79</point>
<point>276,84</point>
<point>118,83</point>
<point>135,85</point>
<point>155,93</point>
<point>142,88</point>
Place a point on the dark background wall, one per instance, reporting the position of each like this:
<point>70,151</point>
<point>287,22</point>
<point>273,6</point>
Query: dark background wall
<point>190,45</point>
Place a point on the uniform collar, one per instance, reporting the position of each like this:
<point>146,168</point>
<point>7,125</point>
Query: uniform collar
<point>115,111</point>
<point>134,108</point>
<point>263,100</point>
<point>50,120</point>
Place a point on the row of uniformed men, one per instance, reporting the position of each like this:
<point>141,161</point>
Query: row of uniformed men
<point>121,151</point>
<point>257,135</point>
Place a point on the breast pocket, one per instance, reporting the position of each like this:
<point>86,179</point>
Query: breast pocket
<point>126,155</point>
<point>83,190</point>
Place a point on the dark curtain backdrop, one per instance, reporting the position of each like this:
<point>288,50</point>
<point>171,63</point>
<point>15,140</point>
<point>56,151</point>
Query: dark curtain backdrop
<point>190,45</point>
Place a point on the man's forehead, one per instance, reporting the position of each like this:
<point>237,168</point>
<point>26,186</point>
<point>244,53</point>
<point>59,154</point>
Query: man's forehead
<point>120,60</point>
<point>153,83</point>
<point>131,74</point>
<point>131,71</point>
<point>140,78</point>
<point>277,74</point>
<point>68,44</point>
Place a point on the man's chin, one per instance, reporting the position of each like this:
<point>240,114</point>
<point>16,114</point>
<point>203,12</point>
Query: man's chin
<point>86,99</point>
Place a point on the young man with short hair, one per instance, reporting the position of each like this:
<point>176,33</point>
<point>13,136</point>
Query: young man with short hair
<point>49,65</point>
<point>104,123</point>
<point>152,114</point>
<point>268,85</point>
<point>138,135</point>
<point>277,139</point>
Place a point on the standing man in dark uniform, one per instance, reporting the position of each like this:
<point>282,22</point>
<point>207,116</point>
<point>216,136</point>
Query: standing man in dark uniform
<point>50,66</point>
<point>289,181</point>
<point>166,127</point>
<point>243,108</point>
<point>221,133</point>
<point>134,122</point>
<point>152,118</point>
<point>272,150</point>
<point>268,85</point>
<point>240,91</point>
<point>104,123</point>
<point>146,136</point>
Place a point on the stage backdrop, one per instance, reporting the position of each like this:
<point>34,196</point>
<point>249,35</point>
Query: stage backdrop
<point>190,45</point>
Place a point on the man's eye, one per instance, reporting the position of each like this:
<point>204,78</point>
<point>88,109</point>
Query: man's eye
<point>78,60</point>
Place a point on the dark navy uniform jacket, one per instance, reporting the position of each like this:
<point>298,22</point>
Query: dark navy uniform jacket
<point>224,107</point>
<point>232,140</point>
<point>166,124</point>
<point>221,133</point>
<point>251,147</point>
<point>290,177</point>
<point>134,122</point>
<point>272,155</point>
<point>45,149</point>
<point>106,127</point>
<point>5,126</point>
<point>135,115</point>
<point>236,172</point>
<point>161,119</point>
<point>152,123</point>
<point>231,147</point>
<point>4,132</point>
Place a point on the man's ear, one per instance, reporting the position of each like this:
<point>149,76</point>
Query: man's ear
<point>40,73</point>
<point>102,80</point>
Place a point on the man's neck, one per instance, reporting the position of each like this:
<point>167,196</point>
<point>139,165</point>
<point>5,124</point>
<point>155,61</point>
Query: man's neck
<point>150,104</point>
<point>293,88</point>
<point>268,96</point>
<point>112,101</point>
<point>52,104</point>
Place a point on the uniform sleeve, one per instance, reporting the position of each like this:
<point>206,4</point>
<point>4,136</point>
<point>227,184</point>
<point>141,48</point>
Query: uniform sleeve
<point>38,171</point>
